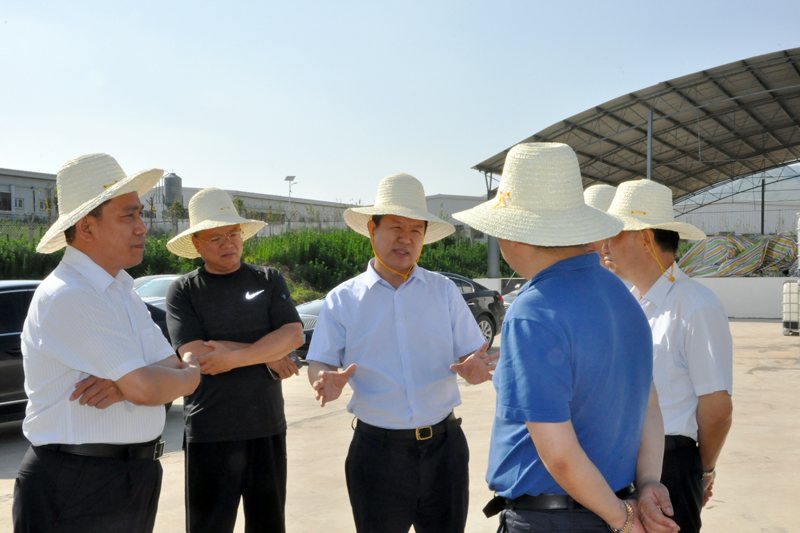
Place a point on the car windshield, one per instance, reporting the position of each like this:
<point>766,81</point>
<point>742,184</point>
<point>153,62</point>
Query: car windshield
<point>311,308</point>
<point>156,288</point>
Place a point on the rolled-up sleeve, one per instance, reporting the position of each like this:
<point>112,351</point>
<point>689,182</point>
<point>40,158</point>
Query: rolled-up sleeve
<point>467,336</point>
<point>330,338</point>
<point>709,351</point>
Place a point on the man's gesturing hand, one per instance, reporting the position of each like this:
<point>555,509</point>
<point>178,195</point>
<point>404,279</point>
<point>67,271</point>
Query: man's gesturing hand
<point>96,392</point>
<point>285,367</point>
<point>476,368</point>
<point>330,384</point>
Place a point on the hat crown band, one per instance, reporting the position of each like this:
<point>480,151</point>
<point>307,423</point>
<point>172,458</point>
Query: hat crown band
<point>541,177</point>
<point>212,204</point>
<point>88,177</point>
<point>401,190</point>
<point>645,200</point>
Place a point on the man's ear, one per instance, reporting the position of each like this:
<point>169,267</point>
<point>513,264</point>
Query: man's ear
<point>196,244</point>
<point>84,229</point>
<point>371,226</point>
<point>648,240</point>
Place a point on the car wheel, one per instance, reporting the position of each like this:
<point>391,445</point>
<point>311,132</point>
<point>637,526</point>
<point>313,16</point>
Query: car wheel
<point>486,326</point>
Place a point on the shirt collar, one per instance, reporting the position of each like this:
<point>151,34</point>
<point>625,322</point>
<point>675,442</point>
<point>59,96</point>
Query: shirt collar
<point>94,273</point>
<point>373,277</point>
<point>658,292</point>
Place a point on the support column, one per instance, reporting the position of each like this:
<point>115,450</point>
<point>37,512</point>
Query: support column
<point>493,247</point>
<point>763,191</point>
<point>650,144</point>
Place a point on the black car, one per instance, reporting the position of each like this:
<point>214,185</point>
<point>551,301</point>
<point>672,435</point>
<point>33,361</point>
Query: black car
<point>486,306</point>
<point>15,298</point>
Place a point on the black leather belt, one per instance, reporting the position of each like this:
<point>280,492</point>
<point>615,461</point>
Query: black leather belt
<point>542,502</point>
<point>423,433</point>
<point>146,450</point>
<point>673,442</point>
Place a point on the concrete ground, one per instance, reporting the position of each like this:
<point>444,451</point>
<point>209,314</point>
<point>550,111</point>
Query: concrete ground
<point>756,483</point>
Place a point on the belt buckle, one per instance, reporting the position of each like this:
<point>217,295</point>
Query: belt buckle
<point>158,451</point>
<point>421,437</point>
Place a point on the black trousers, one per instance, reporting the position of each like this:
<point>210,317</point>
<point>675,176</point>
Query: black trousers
<point>220,474</point>
<point>396,483</point>
<point>58,492</point>
<point>577,521</point>
<point>682,474</point>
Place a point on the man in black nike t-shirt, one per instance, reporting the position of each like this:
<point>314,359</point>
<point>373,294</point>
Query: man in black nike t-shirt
<point>240,323</point>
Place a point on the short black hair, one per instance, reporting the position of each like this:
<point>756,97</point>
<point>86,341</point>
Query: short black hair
<point>667,240</point>
<point>97,213</point>
<point>377,220</point>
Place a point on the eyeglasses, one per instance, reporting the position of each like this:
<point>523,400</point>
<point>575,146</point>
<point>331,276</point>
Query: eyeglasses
<point>217,241</point>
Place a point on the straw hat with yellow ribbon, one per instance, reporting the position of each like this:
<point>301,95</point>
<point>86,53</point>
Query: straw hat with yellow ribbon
<point>86,182</point>
<point>540,201</point>
<point>400,195</point>
<point>645,204</point>
<point>599,196</point>
<point>208,209</point>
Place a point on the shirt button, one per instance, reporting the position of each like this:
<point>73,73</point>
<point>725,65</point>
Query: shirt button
<point>402,347</point>
<point>399,319</point>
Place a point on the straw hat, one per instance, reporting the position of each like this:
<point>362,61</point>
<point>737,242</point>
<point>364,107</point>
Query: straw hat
<point>645,204</point>
<point>84,183</point>
<point>208,209</point>
<point>401,195</point>
<point>599,196</point>
<point>540,201</point>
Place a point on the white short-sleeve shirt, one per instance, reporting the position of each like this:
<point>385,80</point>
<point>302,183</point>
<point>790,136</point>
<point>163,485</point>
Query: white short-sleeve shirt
<point>81,322</point>
<point>403,342</point>
<point>692,348</point>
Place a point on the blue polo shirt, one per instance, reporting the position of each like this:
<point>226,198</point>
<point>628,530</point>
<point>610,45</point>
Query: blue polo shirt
<point>576,346</point>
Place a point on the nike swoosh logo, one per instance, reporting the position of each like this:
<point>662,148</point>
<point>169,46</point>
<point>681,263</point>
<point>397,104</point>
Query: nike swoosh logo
<point>251,296</point>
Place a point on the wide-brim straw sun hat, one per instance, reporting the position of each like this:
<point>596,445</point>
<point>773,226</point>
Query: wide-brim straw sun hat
<point>208,209</point>
<point>540,201</point>
<point>403,196</point>
<point>645,204</point>
<point>599,196</point>
<point>86,182</point>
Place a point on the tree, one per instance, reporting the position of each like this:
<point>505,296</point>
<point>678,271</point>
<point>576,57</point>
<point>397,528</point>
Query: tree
<point>238,203</point>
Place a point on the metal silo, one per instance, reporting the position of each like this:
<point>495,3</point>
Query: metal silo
<point>173,189</point>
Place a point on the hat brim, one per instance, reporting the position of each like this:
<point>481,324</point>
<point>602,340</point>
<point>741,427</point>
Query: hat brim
<point>358,217</point>
<point>542,228</point>
<point>140,182</point>
<point>684,230</point>
<point>181,245</point>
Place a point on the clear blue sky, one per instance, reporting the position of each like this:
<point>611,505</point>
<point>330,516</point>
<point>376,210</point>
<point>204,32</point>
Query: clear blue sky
<point>341,94</point>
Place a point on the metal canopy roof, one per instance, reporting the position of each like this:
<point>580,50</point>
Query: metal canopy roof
<point>716,125</point>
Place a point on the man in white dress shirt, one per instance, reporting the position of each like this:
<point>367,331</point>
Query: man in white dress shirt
<point>400,330</point>
<point>692,345</point>
<point>97,369</point>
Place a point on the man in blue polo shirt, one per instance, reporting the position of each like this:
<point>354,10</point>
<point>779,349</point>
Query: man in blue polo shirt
<point>577,418</point>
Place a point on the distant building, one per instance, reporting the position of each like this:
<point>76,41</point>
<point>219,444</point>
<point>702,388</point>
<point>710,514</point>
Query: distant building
<point>444,205</point>
<point>24,194</point>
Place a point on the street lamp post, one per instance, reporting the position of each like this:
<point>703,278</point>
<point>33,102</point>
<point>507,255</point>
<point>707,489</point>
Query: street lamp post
<point>291,181</point>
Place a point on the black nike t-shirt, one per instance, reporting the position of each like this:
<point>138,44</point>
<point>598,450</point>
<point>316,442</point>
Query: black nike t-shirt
<point>244,403</point>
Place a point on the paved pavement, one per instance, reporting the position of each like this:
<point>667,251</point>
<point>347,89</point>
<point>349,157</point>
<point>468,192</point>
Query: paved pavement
<point>757,482</point>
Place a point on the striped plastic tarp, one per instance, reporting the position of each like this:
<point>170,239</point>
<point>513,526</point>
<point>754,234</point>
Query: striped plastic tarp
<point>755,256</point>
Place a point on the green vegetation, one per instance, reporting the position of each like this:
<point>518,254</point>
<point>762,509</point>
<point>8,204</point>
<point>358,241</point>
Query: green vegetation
<point>313,263</point>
